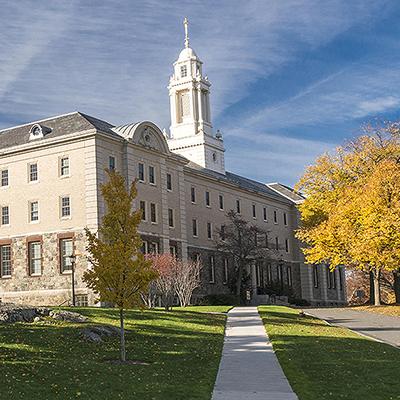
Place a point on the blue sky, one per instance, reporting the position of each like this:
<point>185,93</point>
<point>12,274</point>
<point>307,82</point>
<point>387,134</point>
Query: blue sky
<point>290,79</point>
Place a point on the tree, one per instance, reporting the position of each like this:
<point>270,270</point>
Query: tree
<point>187,279</point>
<point>119,271</point>
<point>240,239</point>
<point>351,215</point>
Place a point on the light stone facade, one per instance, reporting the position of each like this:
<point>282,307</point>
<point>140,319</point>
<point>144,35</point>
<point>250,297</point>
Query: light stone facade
<point>191,158</point>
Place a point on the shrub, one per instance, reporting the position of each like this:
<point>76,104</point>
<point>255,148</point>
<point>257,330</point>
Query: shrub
<point>220,300</point>
<point>299,302</point>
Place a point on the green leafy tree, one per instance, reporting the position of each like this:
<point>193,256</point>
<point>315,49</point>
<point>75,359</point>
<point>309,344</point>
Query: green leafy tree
<point>119,270</point>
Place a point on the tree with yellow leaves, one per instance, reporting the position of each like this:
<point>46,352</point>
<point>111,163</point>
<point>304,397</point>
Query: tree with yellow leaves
<point>119,270</point>
<point>351,215</point>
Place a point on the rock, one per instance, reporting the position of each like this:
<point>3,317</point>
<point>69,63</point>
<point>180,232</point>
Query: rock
<point>97,332</point>
<point>37,319</point>
<point>91,336</point>
<point>11,313</point>
<point>69,316</point>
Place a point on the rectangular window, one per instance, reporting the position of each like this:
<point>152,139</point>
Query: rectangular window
<point>5,260</point>
<point>238,206</point>
<point>169,182</point>
<point>340,279</point>
<point>222,232</point>
<point>141,172</point>
<point>193,194</point>
<point>212,270</point>
<point>64,166</point>
<point>194,227</point>
<point>144,247</point>
<point>289,275</point>
<point>284,219</point>
<point>226,271</point>
<point>171,217</point>
<point>35,258</point>
<point>265,213</point>
<point>279,273</point>
<point>153,213</point>
<point>66,252</point>
<point>207,199</point>
<point>183,71</point>
<point>315,276</point>
<point>33,172</point>
<point>276,243</point>
<point>153,248</point>
<point>287,245</point>
<point>142,206</point>
<point>172,250</point>
<point>209,230</point>
<point>221,202</point>
<point>34,211</point>
<point>4,177</point>
<point>81,300</point>
<point>111,163</point>
<point>65,207</point>
<point>269,273</point>
<point>152,177</point>
<point>275,217</point>
<point>254,211</point>
<point>5,215</point>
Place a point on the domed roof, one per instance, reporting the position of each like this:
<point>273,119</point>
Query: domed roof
<point>187,53</point>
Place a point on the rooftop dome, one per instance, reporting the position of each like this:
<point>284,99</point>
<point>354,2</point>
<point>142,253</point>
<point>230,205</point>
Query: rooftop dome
<point>187,53</point>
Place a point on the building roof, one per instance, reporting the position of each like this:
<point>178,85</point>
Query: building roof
<point>240,181</point>
<point>287,192</point>
<point>60,126</point>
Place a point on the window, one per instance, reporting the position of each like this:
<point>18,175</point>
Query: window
<point>5,260</point>
<point>331,278</point>
<point>221,202</point>
<point>172,250</point>
<point>183,71</point>
<point>222,232</point>
<point>258,275</point>
<point>5,215</point>
<point>183,105</point>
<point>81,300</point>
<point>4,177</point>
<point>284,219</point>
<point>111,163</point>
<point>65,207</point>
<point>209,230</point>
<point>265,213</point>
<point>153,213</point>
<point>66,252</point>
<point>153,248</point>
<point>238,206</point>
<point>33,172</point>
<point>289,275</point>
<point>143,209</point>
<point>171,217</point>
<point>212,270</point>
<point>279,272</point>
<point>254,211</point>
<point>277,243</point>
<point>207,199</point>
<point>152,178</point>
<point>193,194</point>
<point>287,245</point>
<point>340,279</point>
<point>141,172</point>
<point>225,271</point>
<point>64,166</point>
<point>275,217</point>
<point>34,211</point>
<point>194,227</point>
<point>269,273</point>
<point>169,182</point>
<point>315,276</point>
<point>35,258</point>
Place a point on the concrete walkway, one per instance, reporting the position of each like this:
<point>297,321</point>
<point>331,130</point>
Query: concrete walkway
<point>249,369</point>
<point>382,327</point>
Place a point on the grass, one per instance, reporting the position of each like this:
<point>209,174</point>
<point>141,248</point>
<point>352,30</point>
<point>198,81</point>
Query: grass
<point>326,362</point>
<point>49,360</point>
<point>393,310</point>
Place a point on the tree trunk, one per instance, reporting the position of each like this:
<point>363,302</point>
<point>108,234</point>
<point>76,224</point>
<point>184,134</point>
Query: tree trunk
<point>371,288</point>
<point>239,280</point>
<point>377,296</point>
<point>121,320</point>
<point>396,285</point>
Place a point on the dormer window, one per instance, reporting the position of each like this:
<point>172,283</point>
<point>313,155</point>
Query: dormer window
<point>183,71</point>
<point>38,131</point>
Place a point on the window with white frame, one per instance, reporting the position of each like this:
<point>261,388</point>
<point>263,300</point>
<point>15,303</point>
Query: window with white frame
<point>152,176</point>
<point>209,230</point>
<point>153,213</point>
<point>153,247</point>
<point>34,211</point>
<point>143,209</point>
<point>111,163</point>
<point>171,217</point>
<point>64,166</point>
<point>221,202</point>
<point>289,275</point>
<point>279,273</point>
<point>269,273</point>
<point>66,252</point>
<point>65,205</point>
<point>212,269</point>
<point>5,260</point>
<point>5,215</point>
<point>35,258</point>
<point>33,172</point>
<point>81,300</point>
<point>226,271</point>
<point>141,172</point>
<point>172,250</point>
<point>183,71</point>
<point>4,177</point>
<point>194,227</point>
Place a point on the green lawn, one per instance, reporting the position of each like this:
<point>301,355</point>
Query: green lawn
<point>326,362</point>
<point>49,360</point>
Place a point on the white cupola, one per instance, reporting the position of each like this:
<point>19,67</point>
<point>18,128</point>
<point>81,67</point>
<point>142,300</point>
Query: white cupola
<point>191,132</point>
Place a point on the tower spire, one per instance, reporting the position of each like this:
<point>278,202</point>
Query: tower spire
<point>185,24</point>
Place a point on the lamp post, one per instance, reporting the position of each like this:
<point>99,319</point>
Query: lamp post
<point>73,259</point>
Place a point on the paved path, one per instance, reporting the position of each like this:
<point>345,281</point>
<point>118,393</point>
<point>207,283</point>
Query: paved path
<point>382,327</point>
<point>249,369</point>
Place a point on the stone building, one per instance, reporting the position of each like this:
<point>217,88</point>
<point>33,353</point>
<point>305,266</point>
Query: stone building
<point>51,171</point>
